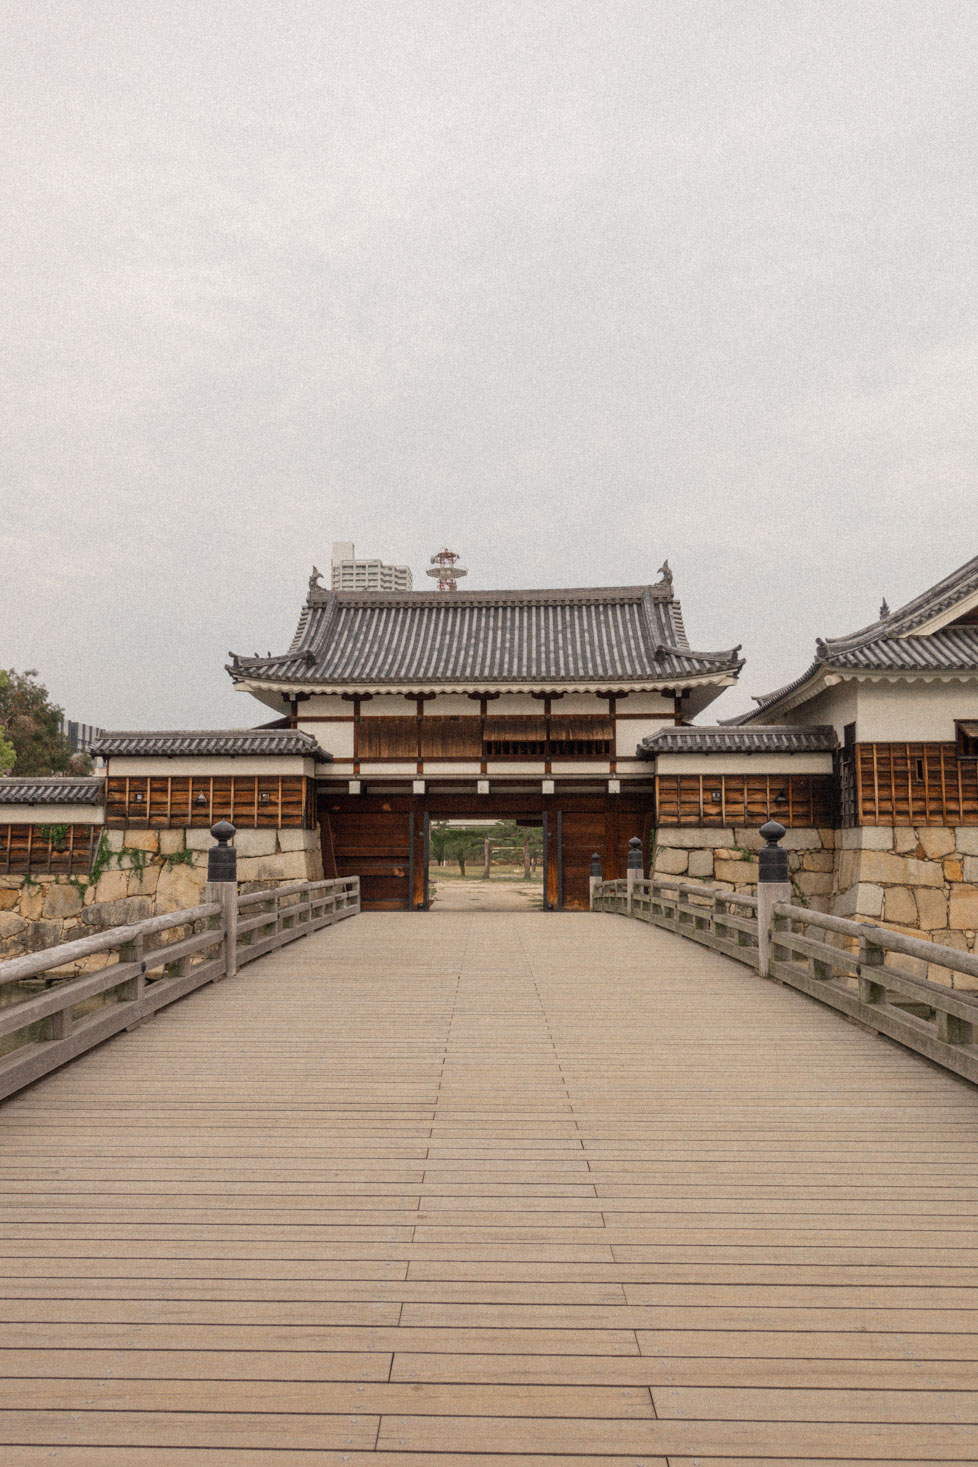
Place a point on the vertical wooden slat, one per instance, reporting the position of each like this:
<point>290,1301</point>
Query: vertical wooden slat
<point>210,806</point>
<point>280,801</point>
<point>723,799</point>
<point>909,785</point>
<point>876,789</point>
<point>702,806</point>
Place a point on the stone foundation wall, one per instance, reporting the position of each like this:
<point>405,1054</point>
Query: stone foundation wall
<point>727,858</point>
<point>917,879</point>
<point>143,873</point>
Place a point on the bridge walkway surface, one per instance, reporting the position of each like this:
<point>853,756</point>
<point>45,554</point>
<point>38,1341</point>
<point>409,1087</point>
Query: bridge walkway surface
<point>490,1188</point>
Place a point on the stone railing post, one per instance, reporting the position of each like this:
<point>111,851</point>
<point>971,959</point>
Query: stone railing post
<point>594,880</point>
<point>633,871</point>
<point>222,887</point>
<point>772,886</point>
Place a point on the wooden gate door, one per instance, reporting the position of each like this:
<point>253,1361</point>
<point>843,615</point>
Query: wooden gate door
<point>379,847</point>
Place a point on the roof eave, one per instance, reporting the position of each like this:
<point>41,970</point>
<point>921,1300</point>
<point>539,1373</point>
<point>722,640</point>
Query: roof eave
<point>719,678</point>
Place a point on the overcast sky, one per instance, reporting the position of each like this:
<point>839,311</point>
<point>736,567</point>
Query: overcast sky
<point>571,287</point>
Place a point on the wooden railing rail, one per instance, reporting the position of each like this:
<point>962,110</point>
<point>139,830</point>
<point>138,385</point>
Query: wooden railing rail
<point>853,974</point>
<point>860,981</point>
<point>46,1030</point>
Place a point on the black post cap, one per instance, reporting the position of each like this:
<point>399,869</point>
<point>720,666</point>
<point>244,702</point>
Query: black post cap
<point>772,862</point>
<point>596,865</point>
<point>222,859</point>
<point>635,854</point>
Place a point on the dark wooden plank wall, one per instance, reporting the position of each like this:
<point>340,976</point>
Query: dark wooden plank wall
<point>746,799</point>
<point>248,801</point>
<point>528,736</point>
<point>26,849</point>
<point>915,784</point>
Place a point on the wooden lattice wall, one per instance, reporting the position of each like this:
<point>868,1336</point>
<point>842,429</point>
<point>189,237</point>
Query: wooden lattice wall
<point>248,801</point>
<point>915,784</point>
<point>745,799</point>
<point>66,850</point>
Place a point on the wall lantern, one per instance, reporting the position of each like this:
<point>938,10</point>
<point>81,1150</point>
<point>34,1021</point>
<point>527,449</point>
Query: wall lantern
<point>715,796</point>
<point>264,798</point>
<point>137,798</point>
<point>200,798</point>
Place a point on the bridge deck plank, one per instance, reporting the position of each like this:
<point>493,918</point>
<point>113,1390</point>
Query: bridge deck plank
<point>514,1187</point>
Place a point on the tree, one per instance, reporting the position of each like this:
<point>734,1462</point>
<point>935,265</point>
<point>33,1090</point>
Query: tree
<point>7,751</point>
<point>31,725</point>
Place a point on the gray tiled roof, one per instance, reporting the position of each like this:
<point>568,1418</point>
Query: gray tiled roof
<point>171,743</point>
<point>54,789</point>
<point>757,739</point>
<point>894,644</point>
<point>601,636</point>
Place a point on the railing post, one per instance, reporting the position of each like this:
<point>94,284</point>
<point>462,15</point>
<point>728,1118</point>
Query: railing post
<point>633,871</point>
<point>871,955</point>
<point>594,881</point>
<point>222,887</point>
<point>772,886</point>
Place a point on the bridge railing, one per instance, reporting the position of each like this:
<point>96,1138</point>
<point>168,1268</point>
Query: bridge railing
<point>149,964</point>
<point>848,965</point>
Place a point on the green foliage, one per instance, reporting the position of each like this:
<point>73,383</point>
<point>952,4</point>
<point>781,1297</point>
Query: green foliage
<point>8,753</point>
<point>178,858</point>
<point>56,834</point>
<point>103,857</point>
<point>464,843</point>
<point>30,724</point>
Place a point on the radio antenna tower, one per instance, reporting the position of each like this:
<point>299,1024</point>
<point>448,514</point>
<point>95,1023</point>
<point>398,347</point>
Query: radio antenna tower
<point>446,570</point>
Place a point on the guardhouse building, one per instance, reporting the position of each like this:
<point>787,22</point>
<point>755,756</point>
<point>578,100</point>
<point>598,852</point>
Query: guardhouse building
<point>500,704</point>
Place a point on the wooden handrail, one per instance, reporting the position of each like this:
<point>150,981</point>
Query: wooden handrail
<point>51,1033</point>
<point>932,1019</point>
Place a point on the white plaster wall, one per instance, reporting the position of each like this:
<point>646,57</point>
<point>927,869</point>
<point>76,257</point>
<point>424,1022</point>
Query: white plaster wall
<point>562,767</point>
<point>913,711</point>
<point>707,764</point>
<point>388,705</point>
<point>580,703</point>
<point>454,766</point>
<point>835,706</point>
<point>326,705</point>
<point>515,766</point>
<point>516,704</point>
<point>205,764</point>
<point>629,733</point>
<point>645,703</point>
<point>51,814</point>
<point>456,705</point>
<point>371,768</point>
<point>335,738</point>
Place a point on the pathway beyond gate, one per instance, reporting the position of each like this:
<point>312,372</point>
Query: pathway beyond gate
<point>496,1188</point>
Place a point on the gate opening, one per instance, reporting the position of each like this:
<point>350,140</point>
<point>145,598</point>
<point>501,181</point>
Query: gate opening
<point>485,865</point>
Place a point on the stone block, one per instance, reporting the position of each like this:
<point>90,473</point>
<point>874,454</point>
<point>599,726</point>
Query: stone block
<point>963,913</point>
<point>690,838</point>
<point>970,868</point>
<point>144,883</point>
<point>298,840</point>
<point>198,840</point>
<point>700,865</point>
<point>674,862</point>
<point>62,901</point>
<point>818,861</point>
<point>899,905</point>
<point>953,869</point>
<point>738,873</point>
<point>814,883</point>
<point>931,909</point>
<point>171,841</point>
<point>966,839</point>
<point>255,843</point>
<point>828,839</point>
<point>848,868</point>
<point>801,838</point>
<point>863,900</point>
<point>142,840</point>
<point>904,839</point>
<point>42,934</point>
<point>117,913</point>
<point>115,839</point>
<point>288,866</point>
<point>9,898</point>
<point>748,838</point>
<point>180,886</point>
<point>111,886</point>
<point>32,902</point>
<point>11,925</point>
<point>874,838</point>
<point>936,840</point>
<point>882,868</point>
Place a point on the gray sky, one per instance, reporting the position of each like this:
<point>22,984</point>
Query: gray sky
<point>569,286</point>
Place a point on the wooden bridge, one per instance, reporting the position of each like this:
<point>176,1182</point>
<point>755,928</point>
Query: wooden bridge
<point>494,1188</point>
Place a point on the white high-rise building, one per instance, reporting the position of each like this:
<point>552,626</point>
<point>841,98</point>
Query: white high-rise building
<point>350,574</point>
